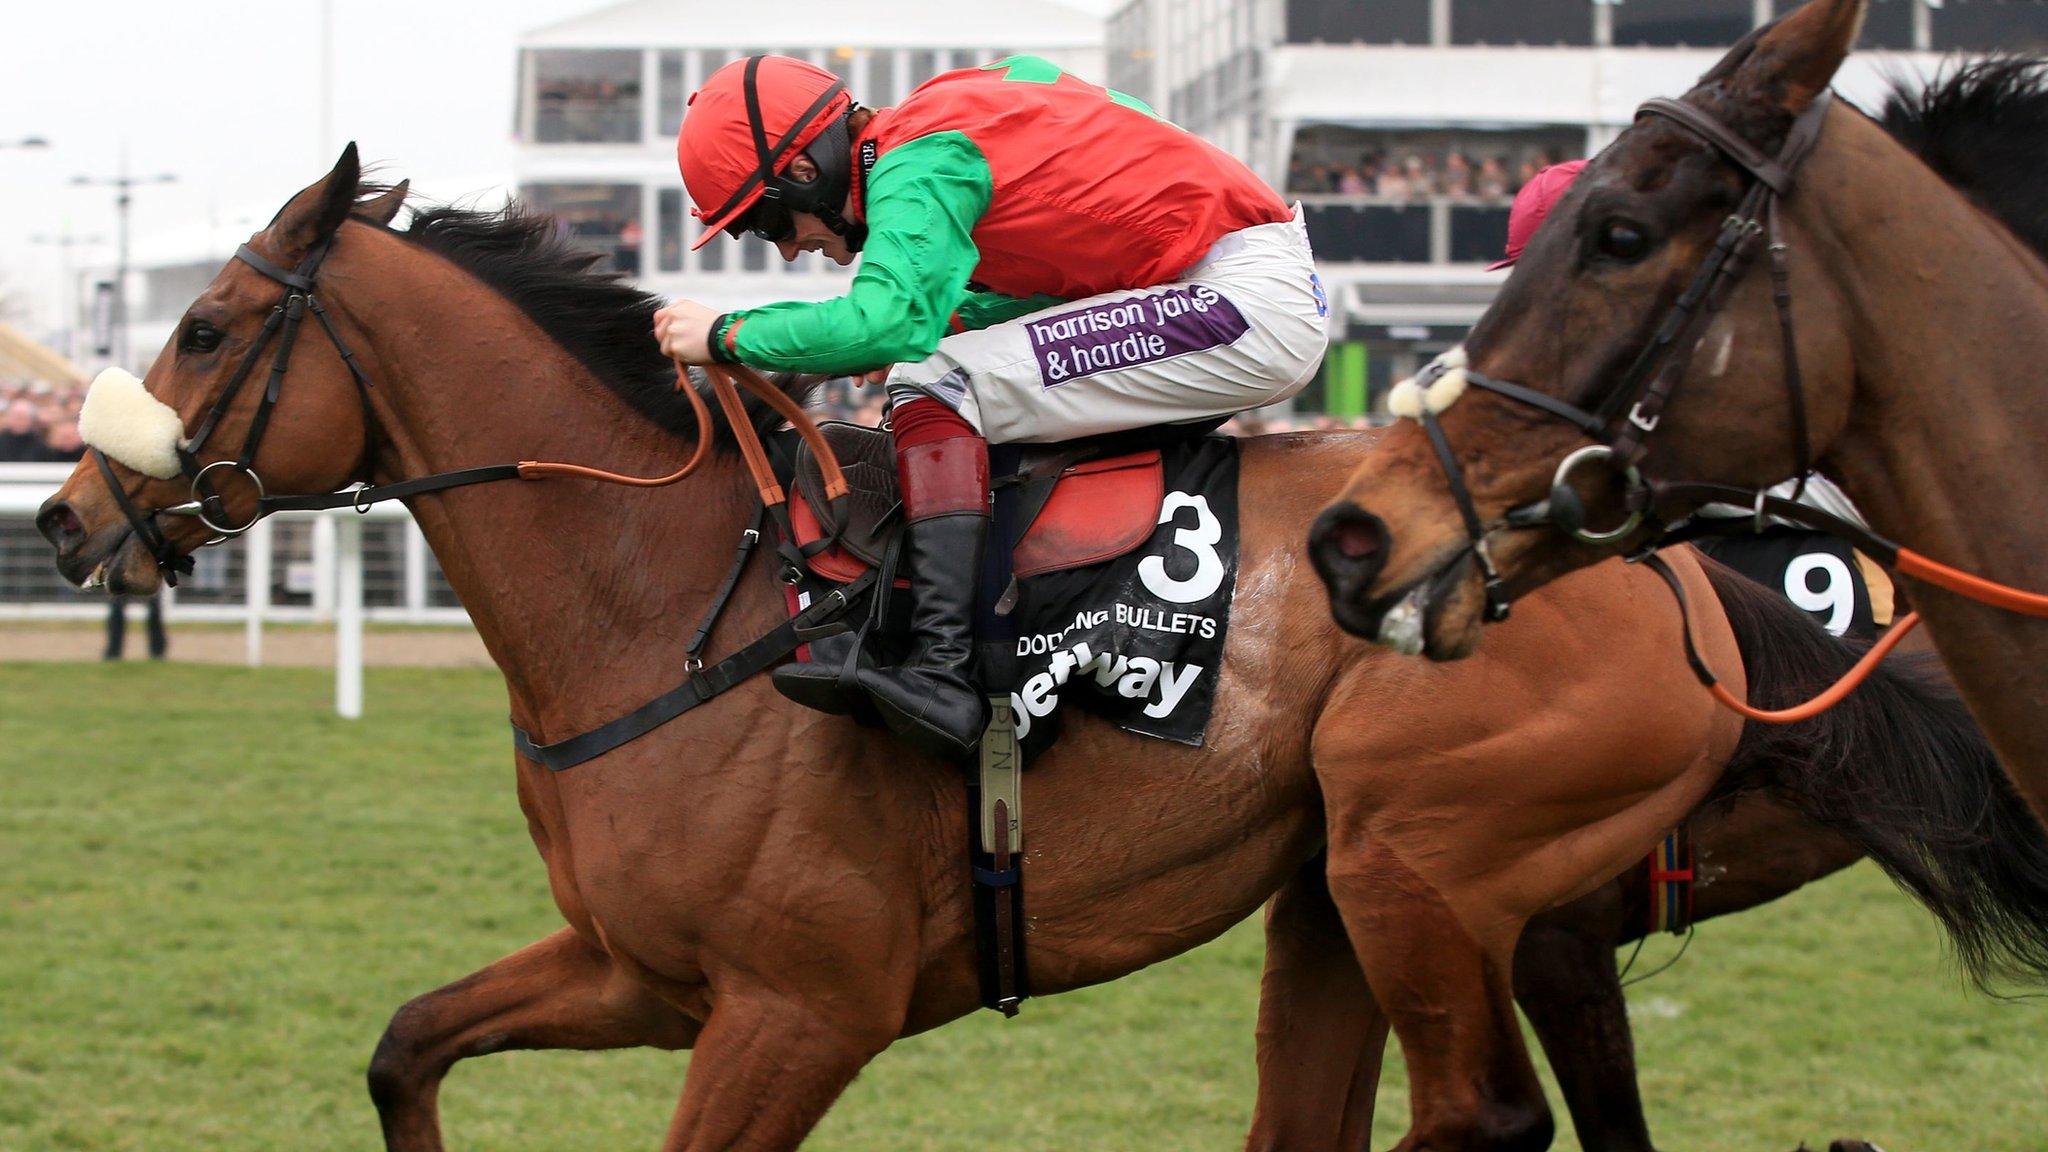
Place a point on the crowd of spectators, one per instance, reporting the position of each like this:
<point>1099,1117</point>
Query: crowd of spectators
<point>1420,174</point>
<point>39,422</point>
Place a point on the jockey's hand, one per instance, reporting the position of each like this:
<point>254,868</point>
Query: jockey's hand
<point>684,329</point>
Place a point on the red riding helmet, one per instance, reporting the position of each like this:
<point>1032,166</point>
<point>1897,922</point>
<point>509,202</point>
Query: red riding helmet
<point>1532,207</point>
<point>745,126</point>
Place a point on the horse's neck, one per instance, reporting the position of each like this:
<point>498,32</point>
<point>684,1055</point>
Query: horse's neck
<point>1949,326</point>
<point>584,593</point>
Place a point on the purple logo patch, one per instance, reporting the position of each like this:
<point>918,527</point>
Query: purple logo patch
<point>1138,330</point>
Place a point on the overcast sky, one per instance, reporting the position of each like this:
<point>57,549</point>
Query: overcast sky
<point>225,95</point>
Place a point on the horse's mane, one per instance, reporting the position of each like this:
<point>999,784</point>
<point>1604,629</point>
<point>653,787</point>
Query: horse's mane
<point>1983,127</point>
<point>606,323</point>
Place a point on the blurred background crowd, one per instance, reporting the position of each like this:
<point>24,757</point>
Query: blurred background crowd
<point>39,421</point>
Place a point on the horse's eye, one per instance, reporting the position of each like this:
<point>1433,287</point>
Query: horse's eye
<point>199,336</point>
<point>1624,241</point>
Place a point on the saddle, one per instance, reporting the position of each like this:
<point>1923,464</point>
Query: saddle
<point>1078,504</point>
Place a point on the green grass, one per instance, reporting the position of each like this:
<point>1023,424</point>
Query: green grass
<point>213,893</point>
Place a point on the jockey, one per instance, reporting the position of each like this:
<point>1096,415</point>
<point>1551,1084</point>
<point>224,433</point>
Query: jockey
<point>1041,260</point>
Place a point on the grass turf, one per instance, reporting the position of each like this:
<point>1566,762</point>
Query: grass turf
<point>213,893</point>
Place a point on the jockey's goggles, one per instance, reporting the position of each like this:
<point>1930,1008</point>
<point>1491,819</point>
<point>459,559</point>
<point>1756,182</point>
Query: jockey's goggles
<point>768,219</point>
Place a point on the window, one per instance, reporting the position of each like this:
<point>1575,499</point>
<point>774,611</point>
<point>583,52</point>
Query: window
<point>924,64</point>
<point>710,60</point>
<point>603,218</point>
<point>1405,167</point>
<point>753,253</point>
<point>1479,233</point>
<point>711,257</point>
<point>1682,23</point>
<point>668,232</point>
<point>1889,24</point>
<point>967,58</point>
<point>1359,21</point>
<point>1354,233</point>
<point>586,97</point>
<point>670,96</point>
<point>881,86</point>
<point>1522,22</point>
<point>1985,25</point>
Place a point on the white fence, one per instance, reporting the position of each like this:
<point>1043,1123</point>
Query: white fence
<point>292,568</point>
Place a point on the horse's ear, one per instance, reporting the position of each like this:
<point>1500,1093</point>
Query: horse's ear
<point>384,209</point>
<point>313,215</point>
<point>1796,59</point>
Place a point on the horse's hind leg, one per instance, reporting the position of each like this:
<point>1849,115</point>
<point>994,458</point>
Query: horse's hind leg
<point>1566,983</point>
<point>1321,1034</point>
<point>559,992</point>
<point>1470,1080</point>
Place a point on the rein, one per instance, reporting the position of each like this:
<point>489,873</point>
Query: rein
<point>283,326</point>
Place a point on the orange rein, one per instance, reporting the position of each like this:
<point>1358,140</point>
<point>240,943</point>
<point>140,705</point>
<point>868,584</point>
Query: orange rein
<point>1834,695</point>
<point>722,383</point>
<point>1909,563</point>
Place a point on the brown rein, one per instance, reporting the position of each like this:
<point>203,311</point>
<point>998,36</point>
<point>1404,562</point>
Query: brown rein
<point>723,379</point>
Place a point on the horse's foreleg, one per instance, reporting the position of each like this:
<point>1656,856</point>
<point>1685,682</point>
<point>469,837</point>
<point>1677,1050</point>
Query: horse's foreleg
<point>1566,983</point>
<point>1321,1034</point>
<point>1447,994</point>
<point>559,992</point>
<point>766,1068</point>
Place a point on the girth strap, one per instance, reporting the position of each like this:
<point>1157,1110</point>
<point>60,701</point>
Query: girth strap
<point>822,618</point>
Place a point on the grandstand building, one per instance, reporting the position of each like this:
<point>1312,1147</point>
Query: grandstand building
<point>600,98</point>
<point>1405,126</point>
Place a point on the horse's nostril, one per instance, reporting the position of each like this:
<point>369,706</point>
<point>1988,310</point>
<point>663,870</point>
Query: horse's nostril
<point>60,525</point>
<point>1358,539</point>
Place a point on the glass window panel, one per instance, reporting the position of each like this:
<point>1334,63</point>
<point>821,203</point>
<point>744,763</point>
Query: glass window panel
<point>602,218</point>
<point>1461,165</point>
<point>1889,24</point>
<point>1479,234</point>
<point>1377,233</point>
<point>711,257</point>
<point>1987,25</point>
<point>586,97</point>
<point>1682,23</point>
<point>881,88</point>
<point>924,64</point>
<point>967,58</point>
<point>671,94</point>
<point>1359,21</point>
<point>753,253</point>
<point>710,60</point>
<point>668,209</point>
<point>1522,22</point>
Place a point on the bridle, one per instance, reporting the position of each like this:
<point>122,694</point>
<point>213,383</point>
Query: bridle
<point>1631,411</point>
<point>283,326</point>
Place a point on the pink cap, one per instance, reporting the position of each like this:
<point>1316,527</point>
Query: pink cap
<point>1532,206</point>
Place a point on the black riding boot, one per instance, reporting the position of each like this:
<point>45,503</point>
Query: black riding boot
<point>930,699</point>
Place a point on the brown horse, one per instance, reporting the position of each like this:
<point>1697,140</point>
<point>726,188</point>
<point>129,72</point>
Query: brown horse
<point>781,891</point>
<point>1918,322</point>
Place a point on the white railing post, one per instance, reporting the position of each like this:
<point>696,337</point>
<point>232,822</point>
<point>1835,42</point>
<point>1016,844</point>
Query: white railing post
<point>415,571</point>
<point>256,561</point>
<point>348,614</point>
<point>324,566</point>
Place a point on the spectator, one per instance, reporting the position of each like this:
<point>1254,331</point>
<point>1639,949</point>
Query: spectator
<point>19,439</point>
<point>63,444</point>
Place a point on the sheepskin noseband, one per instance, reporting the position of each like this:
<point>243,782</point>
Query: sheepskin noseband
<point>1446,382</point>
<point>123,420</point>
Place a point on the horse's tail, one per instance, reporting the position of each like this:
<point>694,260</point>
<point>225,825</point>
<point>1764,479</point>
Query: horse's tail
<point>1901,770</point>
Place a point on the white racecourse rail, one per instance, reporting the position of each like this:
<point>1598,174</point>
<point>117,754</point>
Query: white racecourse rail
<point>338,594</point>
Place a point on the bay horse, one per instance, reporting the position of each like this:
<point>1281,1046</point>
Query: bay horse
<point>780,891</point>
<point>1894,342</point>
